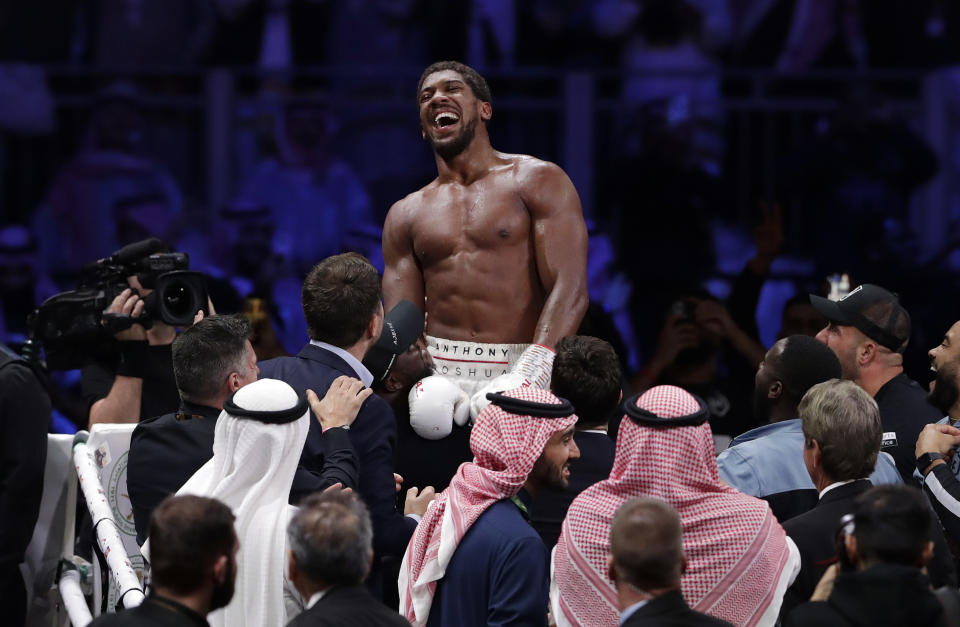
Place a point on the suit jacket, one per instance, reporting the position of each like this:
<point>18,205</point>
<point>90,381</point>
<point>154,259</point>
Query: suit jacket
<point>880,596</point>
<point>155,611</point>
<point>351,605</point>
<point>424,462</point>
<point>373,434</point>
<point>165,452</point>
<point>671,610</point>
<point>550,507</point>
<point>815,533</point>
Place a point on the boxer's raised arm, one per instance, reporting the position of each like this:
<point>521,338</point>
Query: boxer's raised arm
<point>560,247</point>
<point>402,278</point>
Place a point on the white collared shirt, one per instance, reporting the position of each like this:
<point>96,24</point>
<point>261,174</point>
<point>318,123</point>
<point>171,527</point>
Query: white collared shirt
<point>367,379</point>
<point>627,613</point>
<point>362,373</point>
<point>315,598</point>
<point>835,484</point>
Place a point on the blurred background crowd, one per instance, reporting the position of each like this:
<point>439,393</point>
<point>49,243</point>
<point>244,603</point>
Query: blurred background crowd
<point>729,155</point>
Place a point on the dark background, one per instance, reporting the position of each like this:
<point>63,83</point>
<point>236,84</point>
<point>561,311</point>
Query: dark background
<point>679,122</point>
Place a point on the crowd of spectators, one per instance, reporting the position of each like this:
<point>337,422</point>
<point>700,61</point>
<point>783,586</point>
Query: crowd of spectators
<point>573,505</point>
<point>678,469</point>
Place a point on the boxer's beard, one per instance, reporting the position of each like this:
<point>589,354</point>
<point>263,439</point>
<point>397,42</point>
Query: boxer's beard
<point>945,392</point>
<point>459,144</point>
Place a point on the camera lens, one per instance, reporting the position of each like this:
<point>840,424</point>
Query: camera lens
<point>178,300</point>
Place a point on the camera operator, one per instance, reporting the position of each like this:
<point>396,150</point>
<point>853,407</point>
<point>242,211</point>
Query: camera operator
<point>884,582</point>
<point>134,380</point>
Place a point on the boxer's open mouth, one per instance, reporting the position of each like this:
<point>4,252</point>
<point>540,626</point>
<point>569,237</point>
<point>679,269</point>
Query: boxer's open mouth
<point>445,118</point>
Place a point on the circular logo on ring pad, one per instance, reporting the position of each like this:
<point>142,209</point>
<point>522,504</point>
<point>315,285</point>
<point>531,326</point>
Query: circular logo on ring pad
<point>118,498</point>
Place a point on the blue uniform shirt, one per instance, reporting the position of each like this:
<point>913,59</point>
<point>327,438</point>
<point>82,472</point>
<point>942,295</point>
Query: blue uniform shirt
<point>767,462</point>
<point>498,575</point>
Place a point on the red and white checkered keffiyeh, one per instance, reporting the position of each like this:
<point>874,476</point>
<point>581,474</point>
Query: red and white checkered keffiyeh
<point>736,550</point>
<point>505,447</point>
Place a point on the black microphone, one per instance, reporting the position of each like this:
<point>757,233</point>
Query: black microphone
<point>136,251</point>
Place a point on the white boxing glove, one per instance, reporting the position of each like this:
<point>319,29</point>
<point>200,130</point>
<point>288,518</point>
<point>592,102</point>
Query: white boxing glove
<point>533,369</point>
<point>436,403</point>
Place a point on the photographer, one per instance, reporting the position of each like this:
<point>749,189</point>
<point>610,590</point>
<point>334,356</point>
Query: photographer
<point>886,549</point>
<point>131,377</point>
<point>136,380</point>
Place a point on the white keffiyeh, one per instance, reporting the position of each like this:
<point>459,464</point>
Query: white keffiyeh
<point>251,472</point>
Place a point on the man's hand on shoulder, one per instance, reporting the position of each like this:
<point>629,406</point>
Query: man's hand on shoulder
<point>341,404</point>
<point>417,503</point>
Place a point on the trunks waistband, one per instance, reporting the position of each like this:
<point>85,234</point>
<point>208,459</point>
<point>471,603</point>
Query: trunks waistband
<point>443,350</point>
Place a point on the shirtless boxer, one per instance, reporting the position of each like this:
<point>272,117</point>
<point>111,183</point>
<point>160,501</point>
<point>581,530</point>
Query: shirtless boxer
<point>494,249</point>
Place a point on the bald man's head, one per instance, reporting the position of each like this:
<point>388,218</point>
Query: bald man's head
<point>646,543</point>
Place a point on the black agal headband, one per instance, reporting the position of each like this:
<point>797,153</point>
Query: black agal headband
<point>521,407</point>
<point>278,417</point>
<point>649,419</point>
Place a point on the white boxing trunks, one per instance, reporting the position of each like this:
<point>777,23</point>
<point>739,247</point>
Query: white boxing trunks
<point>472,365</point>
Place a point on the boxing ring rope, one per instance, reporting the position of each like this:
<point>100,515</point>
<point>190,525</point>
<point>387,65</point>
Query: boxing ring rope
<point>108,536</point>
<point>73,599</point>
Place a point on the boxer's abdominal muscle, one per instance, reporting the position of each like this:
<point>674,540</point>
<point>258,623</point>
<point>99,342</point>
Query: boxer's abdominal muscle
<point>475,250</point>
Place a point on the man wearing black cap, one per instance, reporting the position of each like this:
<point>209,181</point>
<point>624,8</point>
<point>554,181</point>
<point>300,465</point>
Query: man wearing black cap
<point>398,361</point>
<point>868,330</point>
<point>402,327</point>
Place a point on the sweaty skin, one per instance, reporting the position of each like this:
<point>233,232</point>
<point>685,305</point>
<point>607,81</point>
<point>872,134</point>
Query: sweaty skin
<point>495,248</point>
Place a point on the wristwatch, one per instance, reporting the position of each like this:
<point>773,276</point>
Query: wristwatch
<point>924,461</point>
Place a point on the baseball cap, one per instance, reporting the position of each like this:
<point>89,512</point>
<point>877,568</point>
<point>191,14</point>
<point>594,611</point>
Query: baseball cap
<point>401,328</point>
<point>873,310</point>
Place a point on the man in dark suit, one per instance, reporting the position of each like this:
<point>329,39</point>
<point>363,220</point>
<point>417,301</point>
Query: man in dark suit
<point>341,303</point>
<point>586,372</point>
<point>331,550</point>
<point>646,563</point>
<point>211,360</point>
<point>842,434</point>
<point>886,546</point>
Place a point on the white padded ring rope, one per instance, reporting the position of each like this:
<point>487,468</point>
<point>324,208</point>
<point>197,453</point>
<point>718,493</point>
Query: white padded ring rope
<point>108,536</point>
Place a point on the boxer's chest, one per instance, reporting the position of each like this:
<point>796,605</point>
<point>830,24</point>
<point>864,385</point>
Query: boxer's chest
<point>469,218</point>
